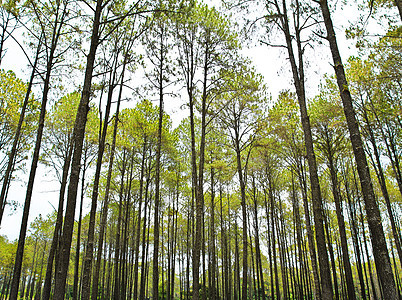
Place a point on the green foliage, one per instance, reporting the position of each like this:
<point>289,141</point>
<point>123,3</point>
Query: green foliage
<point>140,125</point>
<point>12,95</point>
<point>7,254</point>
<point>59,129</point>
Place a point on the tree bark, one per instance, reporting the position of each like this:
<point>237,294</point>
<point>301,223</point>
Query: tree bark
<point>379,245</point>
<point>298,77</point>
<point>77,250</point>
<point>58,24</point>
<point>57,228</point>
<point>155,270</point>
<point>107,188</point>
<point>329,152</point>
<point>383,185</point>
<point>13,152</point>
<point>78,138</point>
<point>117,261</point>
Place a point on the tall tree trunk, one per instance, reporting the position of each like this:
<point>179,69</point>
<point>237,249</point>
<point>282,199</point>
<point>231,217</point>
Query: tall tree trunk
<point>117,260</point>
<point>212,254</point>
<point>144,245</point>
<point>341,221</point>
<point>13,152</point>
<point>200,191</point>
<point>379,245</point>
<point>58,24</point>
<point>77,250</point>
<point>296,214</point>
<point>244,214</point>
<point>298,77</point>
<point>310,236</point>
<point>275,275</point>
<point>39,284</point>
<point>155,265</point>
<point>59,222</point>
<point>105,207</point>
<point>260,276</point>
<point>353,228</point>
<point>331,255</point>
<point>138,227</point>
<point>88,258</point>
<point>78,138</point>
<point>237,290</point>
<point>383,185</point>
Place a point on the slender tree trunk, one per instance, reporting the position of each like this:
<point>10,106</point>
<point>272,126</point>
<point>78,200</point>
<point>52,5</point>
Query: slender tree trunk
<point>310,236</point>
<point>298,77</point>
<point>117,259</point>
<point>353,228</point>
<point>237,290</point>
<point>244,215</point>
<point>77,250</point>
<point>39,284</point>
<point>260,275</point>
<point>105,207</point>
<point>383,185</point>
<point>379,245</point>
<point>212,267</point>
<point>78,138</point>
<point>373,287</point>
<point>138,227</point>
<point>13,152</point>
<point>88,258</point>
<point>341,221</point>
<point>199,190</point>
<point>155,265</point>
<point>58,23</point>
<point>332,256</point>
<point>59,222</point>
<point>274,275</point>
<point>144,242</point>
<point>296,214</point>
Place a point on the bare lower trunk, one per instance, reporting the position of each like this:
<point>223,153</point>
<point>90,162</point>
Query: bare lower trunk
<point>59,222</point>
<point>298,77</point>
<point>379,245</point>
<point>78,138</point>
<point>35,159</point>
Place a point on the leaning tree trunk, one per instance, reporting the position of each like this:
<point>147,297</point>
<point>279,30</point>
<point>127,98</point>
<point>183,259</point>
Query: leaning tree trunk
<point>298,77</point>
<point>340,218</point>
<point>87,260</point>
<point>35,158</point>
<point>379,245</point>
<point>106,199</point>
<point>383,185</point>
<point>13,152</point>
<point>310,235</point>
<point>78,138</point>
<point>47,286</point>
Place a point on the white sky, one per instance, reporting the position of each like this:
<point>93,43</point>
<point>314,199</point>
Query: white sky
<point>268,61</point>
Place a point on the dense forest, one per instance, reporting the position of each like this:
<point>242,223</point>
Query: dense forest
<point>238,193</point>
